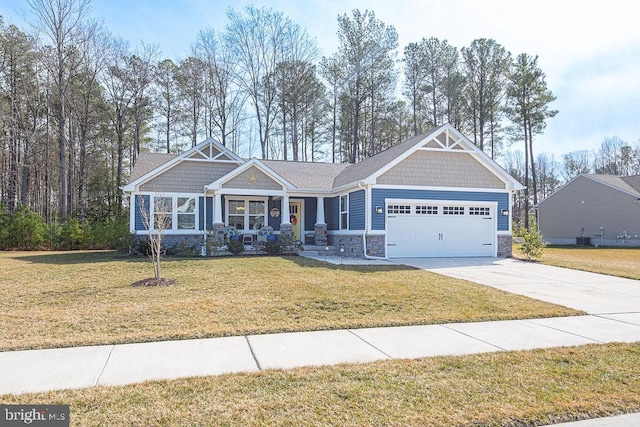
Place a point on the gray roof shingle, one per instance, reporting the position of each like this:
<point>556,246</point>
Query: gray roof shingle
<point>307,175</point>
<point>367,167</point>
<point>632,181</point>
<point>147,162</point>
<point>629,184</point>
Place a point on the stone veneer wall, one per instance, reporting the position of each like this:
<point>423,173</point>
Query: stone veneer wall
<point>504,245</point>
<point>376,245</point>
<point>351,244</point>
<point>353,248</point>
<point>320,235</point>
<point>171,240</point>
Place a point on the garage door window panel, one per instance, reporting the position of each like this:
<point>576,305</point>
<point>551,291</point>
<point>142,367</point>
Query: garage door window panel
<point>399,209</point>
<point>453,210</point>
<point>480,211</point>
<point>426,210</point>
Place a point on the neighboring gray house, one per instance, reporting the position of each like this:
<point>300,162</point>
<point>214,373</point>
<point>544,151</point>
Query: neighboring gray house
<point>434,195</point>
<point>597,209</point>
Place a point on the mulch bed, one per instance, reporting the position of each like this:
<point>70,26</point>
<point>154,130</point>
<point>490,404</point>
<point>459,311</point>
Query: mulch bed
<point>154,282</point>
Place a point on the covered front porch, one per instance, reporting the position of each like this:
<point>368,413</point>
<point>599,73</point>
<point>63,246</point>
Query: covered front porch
<point>249,214</point>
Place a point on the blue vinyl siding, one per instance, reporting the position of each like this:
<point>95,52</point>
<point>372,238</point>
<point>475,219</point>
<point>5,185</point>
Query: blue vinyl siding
<point>139,221</point>
<point>356,210</point>
<point>201,215</point>
<point>310,208</point>
<point>332,213</point>
<point>378,196</point>
<point>209,213</point>
<point>274,222</point>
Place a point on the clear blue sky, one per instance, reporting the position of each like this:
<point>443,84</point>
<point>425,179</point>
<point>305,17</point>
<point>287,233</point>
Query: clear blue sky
<point>590,50</point>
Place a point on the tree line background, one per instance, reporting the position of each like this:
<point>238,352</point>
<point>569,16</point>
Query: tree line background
<point>78,104</point>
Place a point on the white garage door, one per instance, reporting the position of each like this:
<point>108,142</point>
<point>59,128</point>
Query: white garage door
<point>440,229</point>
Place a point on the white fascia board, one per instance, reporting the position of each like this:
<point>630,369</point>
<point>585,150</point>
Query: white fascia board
<point>249,192</point>
<point>345,188</point>
<point>372,179</point>
<point>133,186</point>
<point>217,184</point>
<point>510,182</point>
<point>469,148</point>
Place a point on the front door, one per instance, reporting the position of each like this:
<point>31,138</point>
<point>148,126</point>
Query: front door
<point>295,218</point>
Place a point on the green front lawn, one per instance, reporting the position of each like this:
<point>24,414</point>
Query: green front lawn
<point>623,262</point>
<point>85,298</point>
<point>523,388</point>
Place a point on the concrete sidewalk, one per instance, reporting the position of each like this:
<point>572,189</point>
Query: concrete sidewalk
<point>42,370</point>
<point>613,304</point>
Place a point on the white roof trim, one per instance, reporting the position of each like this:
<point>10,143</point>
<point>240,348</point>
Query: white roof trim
<point>217,184</point>
<point>209,143</point>
<point>460,141</point>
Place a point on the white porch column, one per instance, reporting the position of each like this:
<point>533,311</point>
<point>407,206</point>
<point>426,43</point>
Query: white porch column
<point>217,209</point>
<point>285,211</point>
<point>320,210</point>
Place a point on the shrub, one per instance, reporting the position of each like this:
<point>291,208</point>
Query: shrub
<point>110,234</point>
<point>24,229</point>
<point>289,244</point>
<point>72,236</point>
<point>284,245</point>
<point>269,247</point>
<point>532,244</point>
<point>236,247</point>
<point>184,249</point>
<point>4,227</point>
<point>213,243</point>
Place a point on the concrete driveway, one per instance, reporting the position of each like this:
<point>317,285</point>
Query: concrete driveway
<point>590,292</point>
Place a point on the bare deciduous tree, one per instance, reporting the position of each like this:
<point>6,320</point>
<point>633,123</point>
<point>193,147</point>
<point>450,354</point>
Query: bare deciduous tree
<point>156,220</point>
<point>60,21</point>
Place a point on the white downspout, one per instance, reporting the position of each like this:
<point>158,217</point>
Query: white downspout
<point>203,249</point>
<point>367,224</point>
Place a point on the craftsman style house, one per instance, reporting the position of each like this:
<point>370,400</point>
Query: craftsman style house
<point>434,195</point>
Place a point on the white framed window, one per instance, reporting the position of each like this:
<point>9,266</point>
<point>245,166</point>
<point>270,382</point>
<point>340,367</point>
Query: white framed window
<point>174,212</point>
<point>344,212</point>
<point>246,213</point>
<point>427,210</point>
<point>453,210</point>
<point>162,213</point>
<point>186,212</point>
<point>399,209</point>
<point>474,210</point>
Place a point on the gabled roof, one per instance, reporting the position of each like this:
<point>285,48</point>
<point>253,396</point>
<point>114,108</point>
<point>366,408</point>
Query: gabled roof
<point>632,181</point>
<point>307,175</point>
<point>322,176</point>
<point>146,162</point>
<point>374,166</point>
<point>281,180</point>
<point>366,167</point>
<point>150,165</point>
<point>626,184</point>
<point>618,182</point>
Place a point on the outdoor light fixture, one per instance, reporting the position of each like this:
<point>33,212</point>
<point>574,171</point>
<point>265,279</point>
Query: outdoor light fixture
<point>379,209</point>
<point>504,212</point>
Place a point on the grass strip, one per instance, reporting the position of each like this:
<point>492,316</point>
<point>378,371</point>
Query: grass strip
<point>522,388</point>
